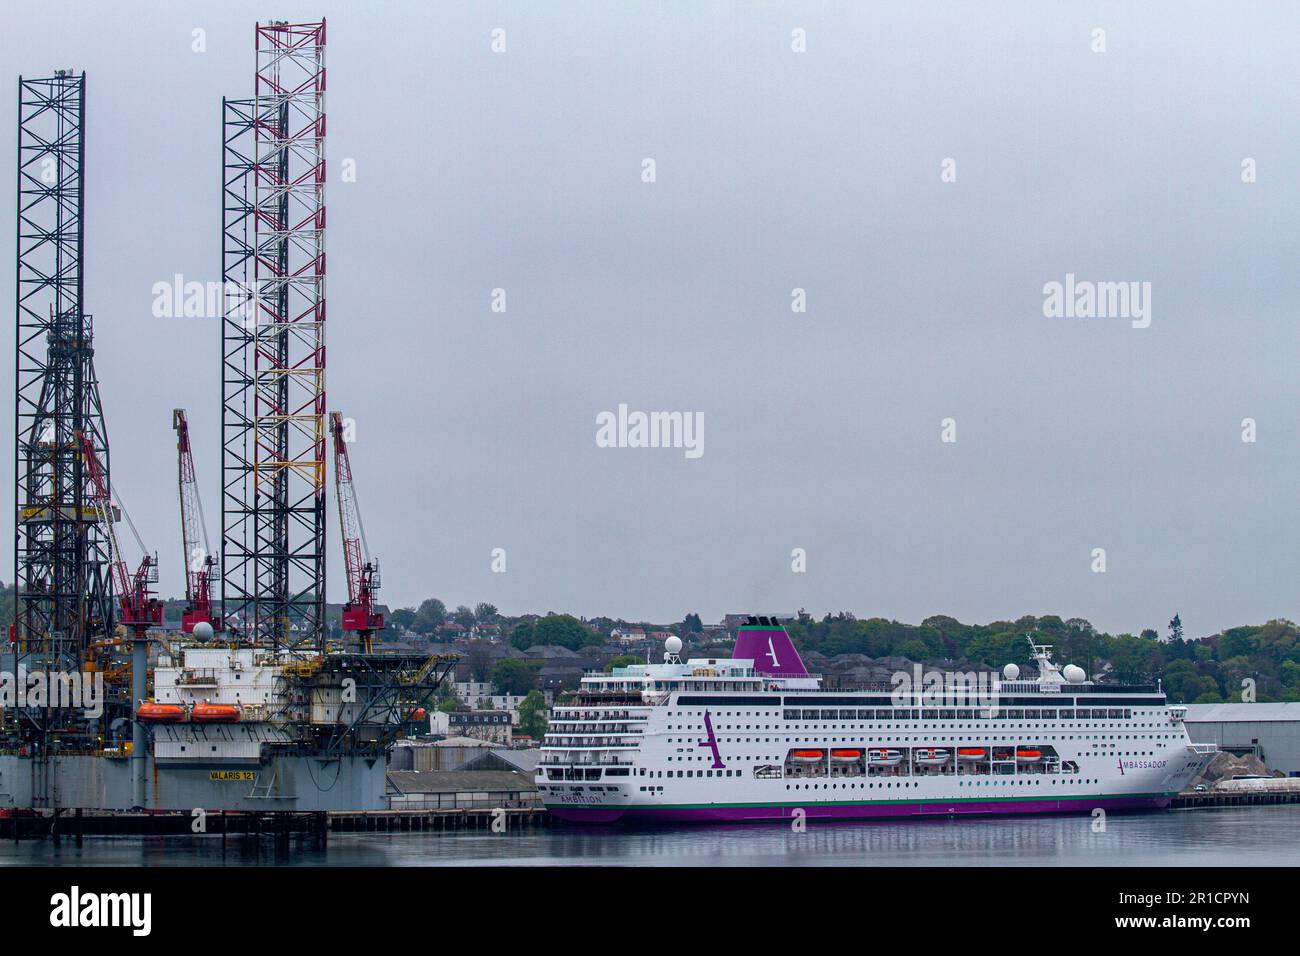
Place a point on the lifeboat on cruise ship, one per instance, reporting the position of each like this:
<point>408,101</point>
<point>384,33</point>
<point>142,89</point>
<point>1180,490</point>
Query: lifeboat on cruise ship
<point>807,756</point>
<point>882,757</point>
<point>215,713</point>
<point>930,757</point>
<point>971,753</point>
<point>1028,755</point>
<point>161,713</point>
<point>845,754</point>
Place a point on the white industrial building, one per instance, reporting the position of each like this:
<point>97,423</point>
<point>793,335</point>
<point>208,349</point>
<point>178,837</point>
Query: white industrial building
<point>1271,731</point>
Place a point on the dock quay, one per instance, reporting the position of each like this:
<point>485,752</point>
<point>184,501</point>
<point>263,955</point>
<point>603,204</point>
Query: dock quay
<point>1218,799</point>
<point>280,825</point>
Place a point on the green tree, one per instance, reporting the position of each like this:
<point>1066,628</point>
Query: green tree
<point>532,715</point>
<point>913,650</point>
<point>1176,628</point>
<point>430,615</point>
<point>486,613</point>
<point>403,617</point>
<point>1185,685</point>
<point>463,616</point>
<point>691,624</point>
<point>513,676</point>
<point>524,635</point>
<point>624,660</point>
<point>563,630</point>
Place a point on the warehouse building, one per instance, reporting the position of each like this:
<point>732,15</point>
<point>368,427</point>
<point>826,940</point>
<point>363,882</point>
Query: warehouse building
<point>460,789</point>
<point>1270,731</point>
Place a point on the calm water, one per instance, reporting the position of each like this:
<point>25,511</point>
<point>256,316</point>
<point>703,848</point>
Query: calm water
<point>1254,836</point>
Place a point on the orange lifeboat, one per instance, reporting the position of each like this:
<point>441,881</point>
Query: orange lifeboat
<point>161,713</point>
<point>807,756</point>
<point>215,713</point>
<point>417,714</point>
<point>971,753</point>
<point>845,754</point>
<point>1028,755</point>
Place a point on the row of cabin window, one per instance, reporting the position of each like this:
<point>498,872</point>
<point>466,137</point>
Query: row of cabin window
<point>1117,713</point>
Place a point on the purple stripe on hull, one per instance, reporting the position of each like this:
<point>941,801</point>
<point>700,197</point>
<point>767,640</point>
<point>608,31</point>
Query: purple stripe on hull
<point>851,811</point>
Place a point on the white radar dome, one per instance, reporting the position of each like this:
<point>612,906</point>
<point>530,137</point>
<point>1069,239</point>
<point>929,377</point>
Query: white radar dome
<point>1074,673</point>
<point>202,631</point>
<point>673,644</point>
<point>1011,672</point>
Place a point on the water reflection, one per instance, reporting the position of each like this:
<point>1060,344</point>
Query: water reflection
<point>1255,836</point>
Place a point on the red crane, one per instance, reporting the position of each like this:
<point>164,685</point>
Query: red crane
<point>140,609</point>
<point>200,565</point>
<point>359,614</point>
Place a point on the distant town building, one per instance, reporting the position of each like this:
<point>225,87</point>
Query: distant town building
<point>554,677</point>
<point>483,695</point>
<point>493,725</point>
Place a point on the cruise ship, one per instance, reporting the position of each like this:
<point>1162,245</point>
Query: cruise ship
<point>755,737</point>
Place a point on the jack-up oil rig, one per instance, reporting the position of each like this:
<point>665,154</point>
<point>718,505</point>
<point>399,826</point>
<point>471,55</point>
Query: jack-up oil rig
<point>249,705</point>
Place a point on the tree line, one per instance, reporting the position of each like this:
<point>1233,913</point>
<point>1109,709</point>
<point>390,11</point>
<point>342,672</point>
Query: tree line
<point>1251,662</point>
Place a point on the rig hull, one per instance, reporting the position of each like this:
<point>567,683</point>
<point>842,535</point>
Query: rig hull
<point>288,783</point>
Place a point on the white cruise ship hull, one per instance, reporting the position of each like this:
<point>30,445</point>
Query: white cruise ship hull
<point>750,740</point>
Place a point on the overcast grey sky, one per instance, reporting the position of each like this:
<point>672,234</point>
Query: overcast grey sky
<point>775,170</point>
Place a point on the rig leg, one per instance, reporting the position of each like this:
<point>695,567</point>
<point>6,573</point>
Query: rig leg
<point>139,745</point>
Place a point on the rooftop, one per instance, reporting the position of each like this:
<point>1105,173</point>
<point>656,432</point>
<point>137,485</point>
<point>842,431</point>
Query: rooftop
<point>458,781</point>
<point>1209,713</point>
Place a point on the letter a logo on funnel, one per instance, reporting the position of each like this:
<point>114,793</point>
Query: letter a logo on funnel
<point>771,650</point>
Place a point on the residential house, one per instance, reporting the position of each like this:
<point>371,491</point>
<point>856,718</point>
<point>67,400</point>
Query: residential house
<point>493,725</point>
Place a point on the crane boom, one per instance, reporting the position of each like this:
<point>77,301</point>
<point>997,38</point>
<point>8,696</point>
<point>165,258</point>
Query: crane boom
<point>359,614</point>
<point>135,599</point>
<point>200,564</point>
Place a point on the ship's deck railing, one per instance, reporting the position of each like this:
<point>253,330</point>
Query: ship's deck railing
<point>197,675</point>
